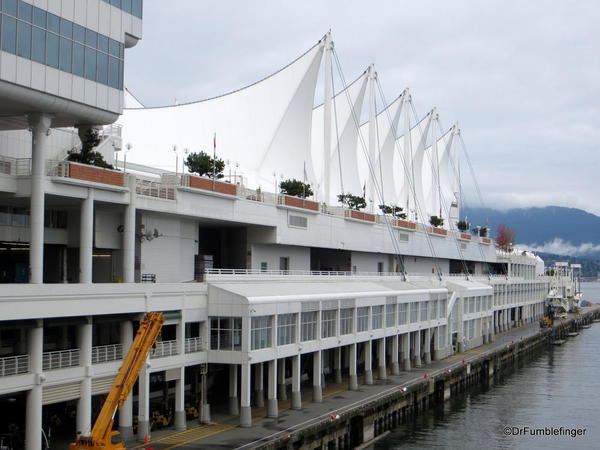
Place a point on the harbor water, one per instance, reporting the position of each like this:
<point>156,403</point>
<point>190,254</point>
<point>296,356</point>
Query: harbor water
<point>556,391</point>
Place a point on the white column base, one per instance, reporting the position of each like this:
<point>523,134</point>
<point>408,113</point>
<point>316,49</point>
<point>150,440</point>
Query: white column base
<point>427,358</point>
<point>296,400</point>
<point>317,394</point>
<point>205,413</point>
<point>234,406</point>
<point>272,410</point>
<point>353,383</point>
<point>180,421</point>
<point>395,368</point>
<point>143,430</point>
<point>382,372</point>
<point>245,416</point>
<point>368,377</point>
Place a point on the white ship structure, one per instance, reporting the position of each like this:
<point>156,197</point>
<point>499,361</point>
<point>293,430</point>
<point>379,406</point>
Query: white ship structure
<point>263,293</point>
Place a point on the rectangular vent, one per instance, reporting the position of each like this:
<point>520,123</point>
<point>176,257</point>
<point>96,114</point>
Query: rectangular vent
<point>463,246</point>
<point>297,221</point>
<point>403,237</point>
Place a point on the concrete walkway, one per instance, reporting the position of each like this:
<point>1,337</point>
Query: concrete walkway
<point>225,433</point>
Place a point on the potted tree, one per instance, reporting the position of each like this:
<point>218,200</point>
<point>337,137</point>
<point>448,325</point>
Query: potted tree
<point>294,193</point>
<point>355,204</point>
<point>436,224</point>
<point>209,170</point>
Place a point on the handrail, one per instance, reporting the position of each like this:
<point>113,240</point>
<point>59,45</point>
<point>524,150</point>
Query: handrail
<point>106,353</point>
<point>14,365</point>
<point>164,348</point>
<point>193,345</point>
<point>60,359</point>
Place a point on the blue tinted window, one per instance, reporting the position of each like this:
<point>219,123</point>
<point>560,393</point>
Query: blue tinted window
<point>126,5</point>
<point>53,23</point>
<point>113,72</point>
<point>66,47</point>
<point>9,34</point>
<point>121,70</point>
<point>38,45</point>
<point>66,28</point>
<point>10,7</point>
<point>78,58</point>
<point>102,68</point>
<point>114,48</point>
<point>136,8</point>
<point>91,38</point>
<point>78,33</point>
<point>103,43</point>
<point>25,11</point>
<point>24,40</point>
<point>39,17</point>
<point>90,64</point>
<point>116,3</point>
<point>52,50</point>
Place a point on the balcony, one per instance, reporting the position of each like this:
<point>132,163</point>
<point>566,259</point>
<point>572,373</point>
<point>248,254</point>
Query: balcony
<point>107,353</point>
<point>297,202</point>
<point>164,348</point>
<point>208,184</point>
<point>15,166</point>
<point>359,215</point>
<point>193,345</point>
<point>60,360</point>
<point>437,231</point>
<point>151,187</point>
<point>14,365</point>
<point>84,172</point>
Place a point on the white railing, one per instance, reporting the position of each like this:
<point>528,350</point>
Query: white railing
<point>60,360</point>
<point>15,166</point>
<point>57,168</point>
<point>299,273</point>
<point>106,353</point>
<point>164,348</point>
<point>154,188</point>
<point>193,345</point>
<point>14,365</point>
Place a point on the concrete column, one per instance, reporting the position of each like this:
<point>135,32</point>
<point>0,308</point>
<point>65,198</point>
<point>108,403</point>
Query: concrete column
<point>33,419</point>
<point>417,348</point>
<point>272,389</point>
<point>129,233</point>
<point>381,358</point>
<point>405,356</point>
<point>245,408</point>
<point>337,364</point>
<point>395,351</point>
<point>427,346</point>
<point>368,362</point>
<point>353,383</point>
<point>435,354</point>
<point>144,405</point>
<point>281,387</point>
<point>259,384</point>
<point>126,413</point>
<point>234,408</point>
<point>180,420</point>
<point>86,238</point>
<point>484,332</point>
<point>84,403</point>
<point>296,395</point>
<point>40,127</point>
<point>317,372</point>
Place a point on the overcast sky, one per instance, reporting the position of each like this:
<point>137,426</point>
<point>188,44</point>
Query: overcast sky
<point>522,78</point>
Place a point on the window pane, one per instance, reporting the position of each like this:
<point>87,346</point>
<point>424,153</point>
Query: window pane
<point>9,34</point>
<point>137,8</point>
<point>65,54</point>
<point>66,28</point>
<point>38,45</point>
<point>39,17</point>
<point>103,43</point>
<point>52,50</point>
<point>53,23</point>
<point>78,57</point>
<point>114,48</point>
<point>10,7</point>
<point>78,33</point>
<point>126,5</point>
<point>90,64</point>
<point>24,40</point>
<point>25,11</point>
<point>91,38</point>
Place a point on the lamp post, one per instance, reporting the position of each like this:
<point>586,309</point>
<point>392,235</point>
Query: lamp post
<point>176,159</point>
<point>183,161</point>
<point>128,147</point>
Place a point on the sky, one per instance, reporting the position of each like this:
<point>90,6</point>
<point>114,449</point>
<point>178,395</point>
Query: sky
<point>522,78</point>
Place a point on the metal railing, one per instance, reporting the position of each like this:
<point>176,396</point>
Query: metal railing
<point>106,353</point>
<point>298,273</point>
<point>14,365</point>
<point>60,360</point>
<point>57,168</point>
<point>15,166</point>
<point>164,348</point>
<point>155,188</point>
<point>193,345</point>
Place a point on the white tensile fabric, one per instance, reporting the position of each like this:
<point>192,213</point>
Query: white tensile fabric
<point>444,193</point>
<point>346,109</point>
<point>265,127</point>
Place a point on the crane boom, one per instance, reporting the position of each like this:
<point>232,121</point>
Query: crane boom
<point>102,432</point>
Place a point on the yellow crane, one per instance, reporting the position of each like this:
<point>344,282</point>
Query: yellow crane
<point>102,433</point>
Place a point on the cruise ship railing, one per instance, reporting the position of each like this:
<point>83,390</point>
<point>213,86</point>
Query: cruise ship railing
<point>14,365</point>
<point>193,345</point>
<point>106,353</point>
<point>164,348</point>
<point>60,360</point>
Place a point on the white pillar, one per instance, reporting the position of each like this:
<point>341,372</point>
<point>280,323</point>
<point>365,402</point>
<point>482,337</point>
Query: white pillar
<point>245,408</point>
<point>40,127</point>
<point>180,419</point>
<point>381,359</point>
<point>84,403</point>
<point>126,413</point>
<point>272,389</point>
<point>417,348</point>
<point>405,357</point>
<point>281,388</point>
<point>427,346</point>
<point>234,408</point>
<point>368,362</point>
<point>129,234</point>
<point>395,351</point>
<point>143,404</point>
<point>86,238</point>
<point>317,372</point>
<point>296,395</point>
<point>337,364</point>
<point>352,360</point>
<point>33,424</point>
<point>258,384</point>
<point>328,95</point>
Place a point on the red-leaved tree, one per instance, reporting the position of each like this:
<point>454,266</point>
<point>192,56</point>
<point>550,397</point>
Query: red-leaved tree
<point>505,237</point>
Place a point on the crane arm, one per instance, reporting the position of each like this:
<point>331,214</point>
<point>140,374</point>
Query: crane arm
<point>102,432</point>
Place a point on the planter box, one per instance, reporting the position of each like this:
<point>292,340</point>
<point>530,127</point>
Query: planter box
<point>296,202</point>
<point>465,236</point>
<point>96,174</point>
<point>206,184</point>
<point>486,240</point>
<point>437,231</point>
<point>405,224</point>
<point>359,215</point>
